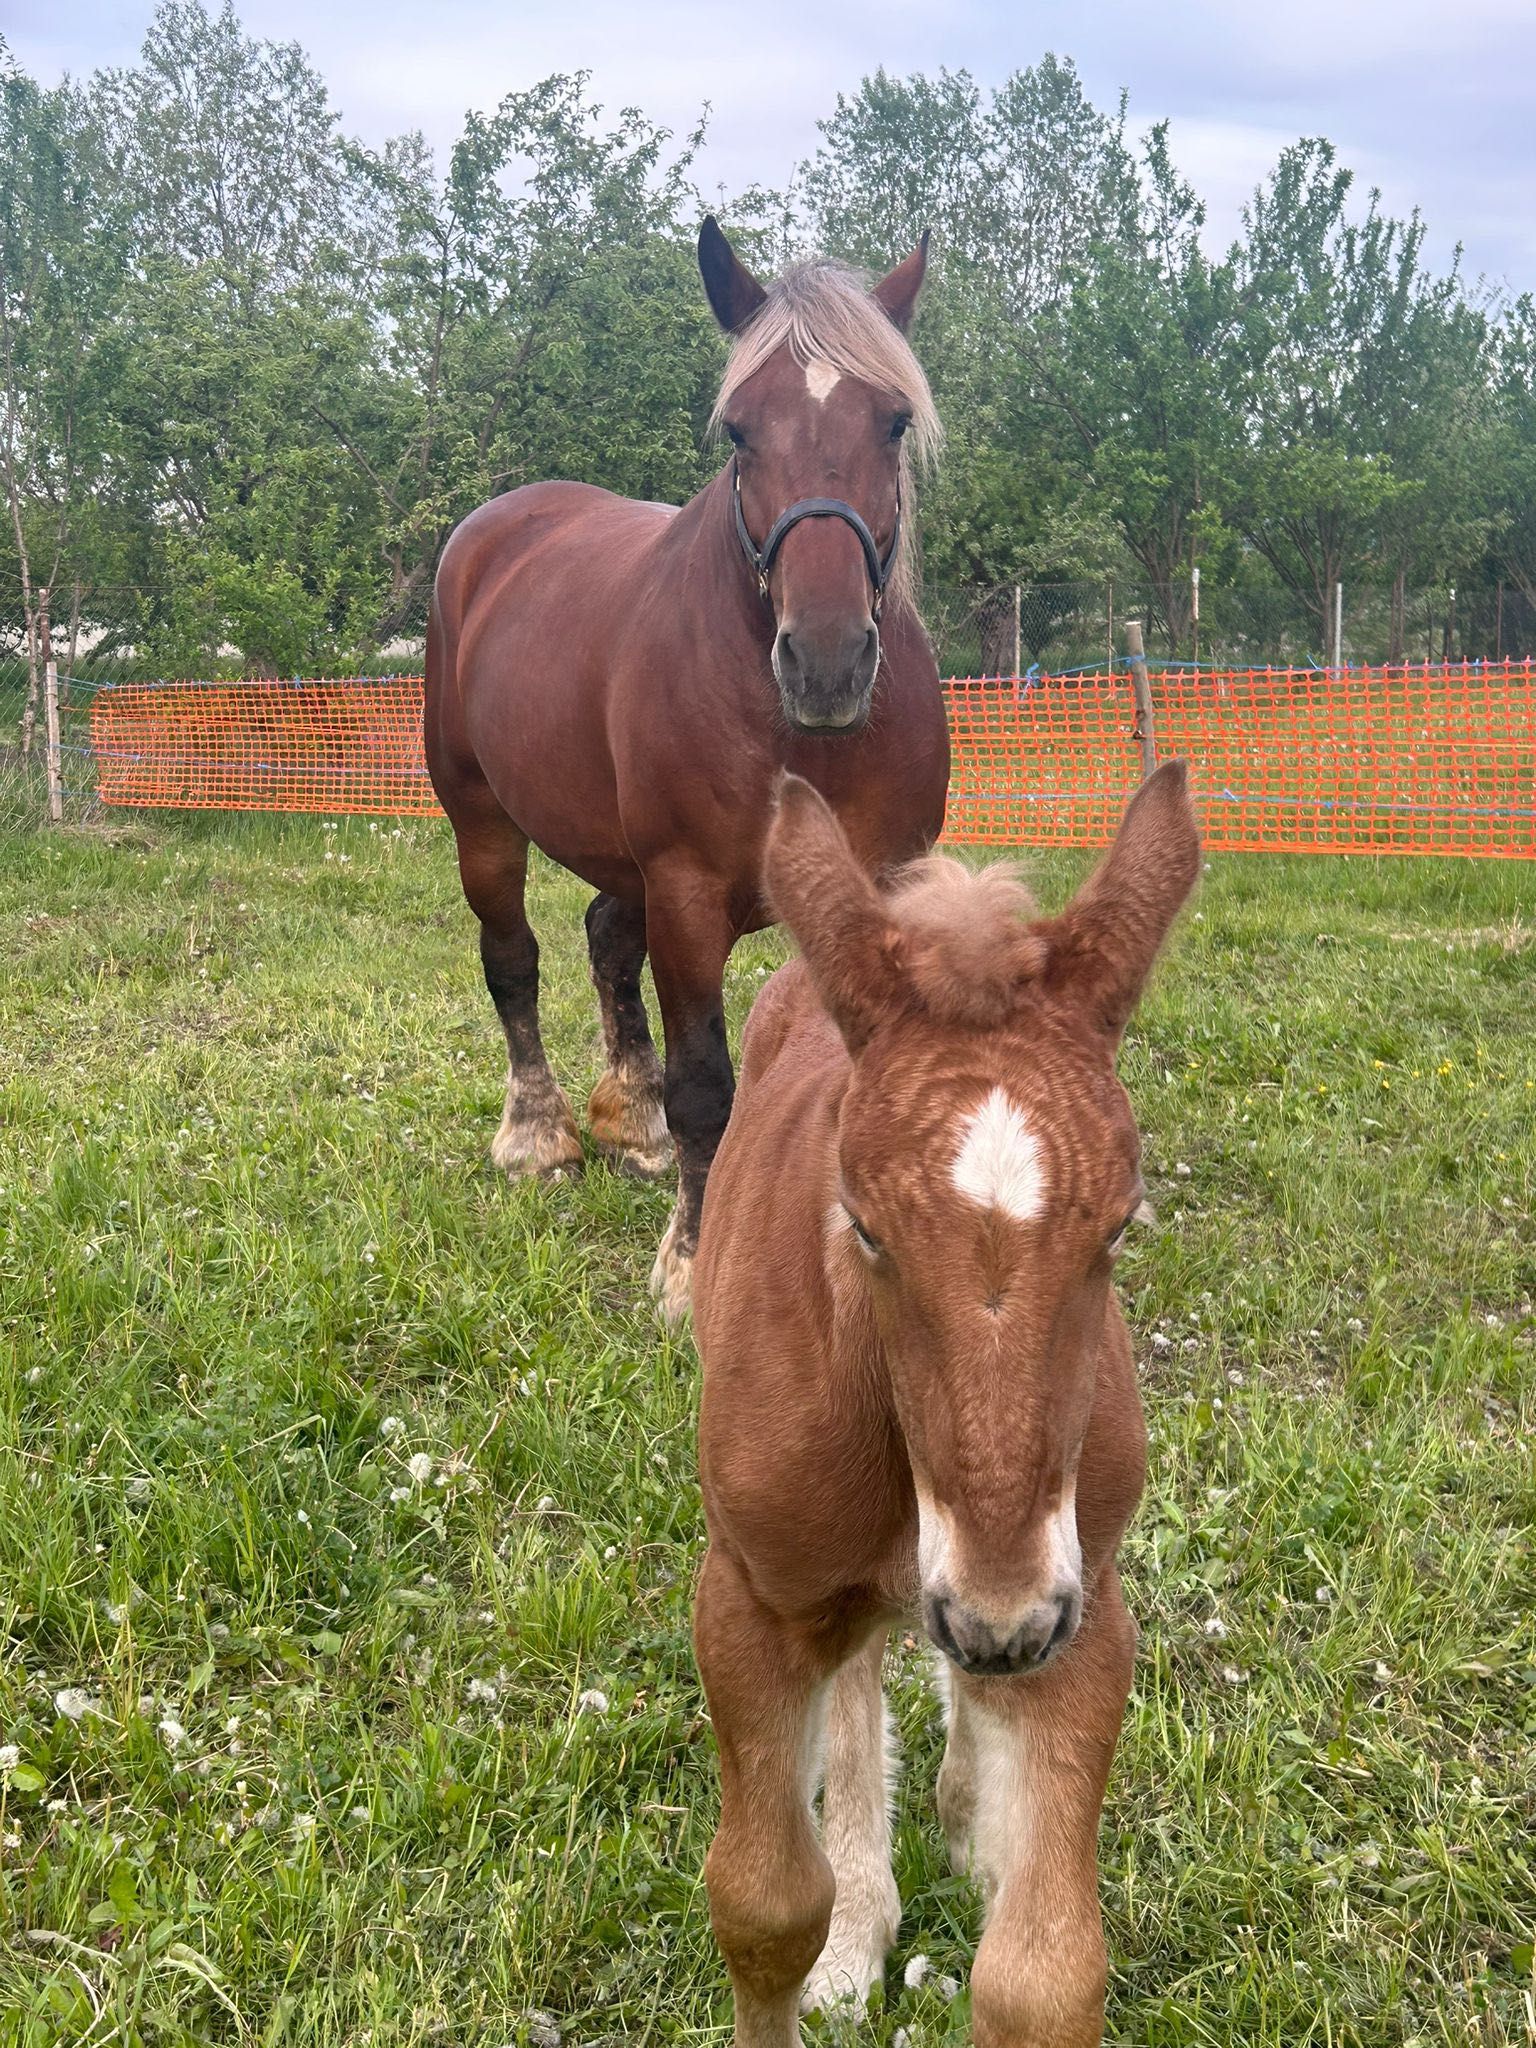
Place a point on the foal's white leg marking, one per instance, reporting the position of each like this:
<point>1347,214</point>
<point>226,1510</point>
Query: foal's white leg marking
<point>1005,1819</point>
<point>856,1835</point>
<point>957,1772</point>
<point>998,1162</point>
<point>821,380</point>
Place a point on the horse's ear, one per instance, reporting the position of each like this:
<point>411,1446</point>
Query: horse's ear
<point>897,291</point>
<point>816,886</point>
<point>1105,941</point>
<point>734,293</point>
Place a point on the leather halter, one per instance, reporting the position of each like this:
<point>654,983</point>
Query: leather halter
<point>762,559</point>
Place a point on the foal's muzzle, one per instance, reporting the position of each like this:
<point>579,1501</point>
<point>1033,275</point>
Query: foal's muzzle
<point>1024,1643</point>
<point>825,678</point>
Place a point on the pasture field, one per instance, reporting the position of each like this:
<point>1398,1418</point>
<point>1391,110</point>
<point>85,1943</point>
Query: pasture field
<point>338,1479</point>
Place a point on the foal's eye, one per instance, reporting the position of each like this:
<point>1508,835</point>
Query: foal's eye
<point>1114,1244</point>
<point>900,424</point>
<point>734,434</point>
<point>870,1246</point>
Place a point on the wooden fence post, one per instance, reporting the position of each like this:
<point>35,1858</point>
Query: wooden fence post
<point>1142,690</point>
<point>55,751</point>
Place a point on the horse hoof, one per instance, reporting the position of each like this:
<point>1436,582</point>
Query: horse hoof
<point>629,1126</point>
<point>654,1163</point>
<point>541,1151</point>
<point>672,1279</point>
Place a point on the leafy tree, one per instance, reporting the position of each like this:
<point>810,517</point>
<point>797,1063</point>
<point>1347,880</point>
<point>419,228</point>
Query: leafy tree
<point>58,346</point>
<point>1357,377</point>
<point>554,327</point>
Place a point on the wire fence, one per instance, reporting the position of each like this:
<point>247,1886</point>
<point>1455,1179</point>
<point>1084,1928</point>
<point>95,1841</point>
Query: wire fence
<point>1427,758</point>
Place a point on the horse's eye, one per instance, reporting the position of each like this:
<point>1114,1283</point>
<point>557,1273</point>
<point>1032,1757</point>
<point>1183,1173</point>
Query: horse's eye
<point>737,438</point>
<point>900,424</point>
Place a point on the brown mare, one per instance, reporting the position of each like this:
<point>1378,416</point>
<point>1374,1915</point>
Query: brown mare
<point>622,685</point>
<point>919,1394</point>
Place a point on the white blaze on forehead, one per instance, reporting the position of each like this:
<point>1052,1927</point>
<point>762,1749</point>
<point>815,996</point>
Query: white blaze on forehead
<point>998,1163</point>
<point>821,380</point>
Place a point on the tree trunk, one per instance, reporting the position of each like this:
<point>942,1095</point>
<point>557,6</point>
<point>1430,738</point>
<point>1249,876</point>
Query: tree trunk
<point>994,617</point>
<point>1397,629</point>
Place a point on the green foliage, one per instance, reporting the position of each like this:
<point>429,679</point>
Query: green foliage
<point>254,372</point>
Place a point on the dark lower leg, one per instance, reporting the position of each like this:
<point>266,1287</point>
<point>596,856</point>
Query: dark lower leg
<point>689,935</point>
<point>538,1132</point>
<point>625,1110</point>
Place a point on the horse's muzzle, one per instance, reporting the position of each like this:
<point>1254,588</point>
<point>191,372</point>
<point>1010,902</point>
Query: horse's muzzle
<point>1025,1643</point>
<point>826,679</point>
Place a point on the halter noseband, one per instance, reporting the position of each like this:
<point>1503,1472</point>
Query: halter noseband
<point>762,559</point>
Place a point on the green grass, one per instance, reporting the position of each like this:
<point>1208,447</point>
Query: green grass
<point>253,1261</point>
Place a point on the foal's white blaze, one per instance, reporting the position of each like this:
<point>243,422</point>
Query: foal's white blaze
<point>998,1163</point>
<point>935,1544</point>
<point>1063,1554</point>
<point>821,380</point>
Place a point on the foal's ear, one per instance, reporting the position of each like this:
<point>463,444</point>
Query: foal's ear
<point>837,916</point>
<point>734,293</point>
<point>897,291</point>
<point>1105,941</point>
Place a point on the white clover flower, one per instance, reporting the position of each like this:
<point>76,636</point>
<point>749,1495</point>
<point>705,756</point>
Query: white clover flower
<point>481,1692</point>
<point>136,1487</point>
<point>172,1734</point>
<point>419,1465</point>
<point>74,1703</point>
<point>10,1757</point>
<point>390,1426</point>
<point>1215,1629</point>
<point>948,1988</point>
<point>917,1969</point>
<point>1324,1596</point>
<point>399,1493</point>
<point>543,2029</point>
<point>1182,1170</point>
<point>592,1702</point>
<point>1231,1674</point>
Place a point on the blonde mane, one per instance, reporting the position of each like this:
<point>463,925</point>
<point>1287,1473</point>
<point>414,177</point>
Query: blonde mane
<point>823,312</point>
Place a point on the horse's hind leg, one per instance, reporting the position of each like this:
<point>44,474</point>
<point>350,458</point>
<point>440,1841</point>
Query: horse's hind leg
<point>538,1133</point>
<point>629,1123</point>
<point>856,1836</point>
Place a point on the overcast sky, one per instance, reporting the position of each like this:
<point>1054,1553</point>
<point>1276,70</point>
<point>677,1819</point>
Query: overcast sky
<point>1429,99</point>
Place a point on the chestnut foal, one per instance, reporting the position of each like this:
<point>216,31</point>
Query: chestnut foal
<point>919,1393</point>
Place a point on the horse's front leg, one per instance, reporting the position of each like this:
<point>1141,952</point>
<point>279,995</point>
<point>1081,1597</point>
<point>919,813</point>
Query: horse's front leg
<point>689,934</point>
<point>770,1886</point>
<point>1038,1752</point>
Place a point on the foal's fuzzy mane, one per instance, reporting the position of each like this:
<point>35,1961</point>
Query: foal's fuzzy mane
<point>824,312</point>
<point>967,945</point>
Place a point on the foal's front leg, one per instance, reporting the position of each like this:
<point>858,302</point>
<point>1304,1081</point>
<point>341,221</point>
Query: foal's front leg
<point>689,934</point>
<point>1035,1754</point>
<point>856,1835</point>
<point>770,1886</point>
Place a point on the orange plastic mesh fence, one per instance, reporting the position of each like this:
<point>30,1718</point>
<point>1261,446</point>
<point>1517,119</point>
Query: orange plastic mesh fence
<point>1388,760</point>
<point>332,747</point>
